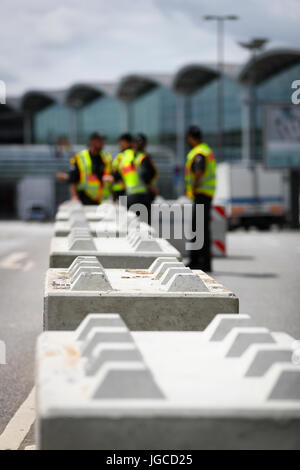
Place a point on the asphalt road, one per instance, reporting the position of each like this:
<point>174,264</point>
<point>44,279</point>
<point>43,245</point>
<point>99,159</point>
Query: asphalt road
<point>24,250</point>
<point>263,269</point>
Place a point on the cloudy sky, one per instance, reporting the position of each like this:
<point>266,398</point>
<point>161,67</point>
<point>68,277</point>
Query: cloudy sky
<point>51,44</point>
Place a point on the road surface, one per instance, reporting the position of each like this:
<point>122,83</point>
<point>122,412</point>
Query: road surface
<point>263,269</point>
<point>24,252</point>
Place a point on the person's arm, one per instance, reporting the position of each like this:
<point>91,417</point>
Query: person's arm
<point>149,172</point>
<point>198,169</point>
<point>73,179</point>
<point>62,176</point>
<point>73,192</point>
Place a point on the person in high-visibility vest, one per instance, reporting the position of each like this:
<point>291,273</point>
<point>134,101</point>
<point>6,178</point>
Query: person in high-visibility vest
<point>136,189</point>
<point>144,161</point>
<point>118,187</point>
<point>89,173</point>
<point>107,176</point>
<point>201,181</point>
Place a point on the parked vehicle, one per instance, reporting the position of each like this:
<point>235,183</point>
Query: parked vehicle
<point>253,196</point>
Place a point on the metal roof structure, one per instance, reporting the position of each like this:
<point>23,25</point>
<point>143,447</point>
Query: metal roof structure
<point>187,80</point>
<point>135,85</point>
<point>36,100</point>
<point>80,95</point>
<point>192,77</point>
<point>267,64</point>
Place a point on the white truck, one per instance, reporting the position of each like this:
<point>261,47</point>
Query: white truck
<point>253,196</point>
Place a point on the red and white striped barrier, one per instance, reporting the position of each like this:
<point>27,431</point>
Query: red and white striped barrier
<point>219,230</point>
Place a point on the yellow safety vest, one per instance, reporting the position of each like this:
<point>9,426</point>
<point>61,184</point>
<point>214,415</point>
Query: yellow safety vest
<point>208,182</point>
<point>139,160</point>
<point>89,183</point>
<point>130,172</point>
<point>107,186</point>
<point>118,186</point>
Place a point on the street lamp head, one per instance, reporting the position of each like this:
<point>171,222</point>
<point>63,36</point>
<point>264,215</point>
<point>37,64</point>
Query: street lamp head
<point>255,44</point>
<point>221,17</point>
<point>209,17</point>
<point>260,43</point>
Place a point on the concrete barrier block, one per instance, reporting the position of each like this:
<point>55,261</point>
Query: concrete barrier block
<point>287,386</point>
<point>222,325</point>
<point>185,282</point>
<point>165,266</point>
<point>241,339</point>
<point>80,240</point>
<point>180,299</point>
<point>97,321</point>
<point>132,253</point>
<point>159,261</point>
<point>266,357</point>
<point>90,281</point>
<point>105,387</point>
<point>110,229</point>
<point>109,212</point>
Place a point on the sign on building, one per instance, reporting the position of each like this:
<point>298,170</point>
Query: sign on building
<point>281,135</point>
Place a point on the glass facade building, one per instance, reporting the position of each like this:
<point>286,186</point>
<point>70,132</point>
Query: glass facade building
<point>164,106</point>
<point>105,115</point>
<point>154,114</point>
<point>204,112</point>
<point>51,123</point>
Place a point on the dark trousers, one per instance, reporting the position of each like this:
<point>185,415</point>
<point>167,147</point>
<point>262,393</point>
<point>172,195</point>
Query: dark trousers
<point>117,194</point>
<point>143,199</point>
<point>202,258</point>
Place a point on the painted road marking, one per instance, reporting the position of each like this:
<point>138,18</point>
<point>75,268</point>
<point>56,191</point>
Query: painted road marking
<point>19,426</point>
<point>15,261</point>
<point>28,267</point>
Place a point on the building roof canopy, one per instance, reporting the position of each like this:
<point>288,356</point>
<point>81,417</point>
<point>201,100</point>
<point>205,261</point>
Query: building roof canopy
<point>193,77</point>
<point>82,94</point>
<point>134,86</point>
<point>34,101</point>
<point>267,64</point>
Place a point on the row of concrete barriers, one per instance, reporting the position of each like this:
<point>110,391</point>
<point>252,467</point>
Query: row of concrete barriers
<point>179,216</point>
<point>166,371</point>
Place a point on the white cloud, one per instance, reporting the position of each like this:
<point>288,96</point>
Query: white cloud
<point>47,44</point>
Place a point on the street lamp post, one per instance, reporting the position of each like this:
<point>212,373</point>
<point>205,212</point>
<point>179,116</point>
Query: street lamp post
<point>220,19</point>
<point>255,45</point>
<point>250,156</point>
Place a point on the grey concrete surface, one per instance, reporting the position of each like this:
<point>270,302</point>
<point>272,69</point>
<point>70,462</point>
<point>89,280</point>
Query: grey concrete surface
<point>113,253</point>
<point>162,390</point>
<point>263,269</point>
<point>24,255</point>
<point>157,299</point>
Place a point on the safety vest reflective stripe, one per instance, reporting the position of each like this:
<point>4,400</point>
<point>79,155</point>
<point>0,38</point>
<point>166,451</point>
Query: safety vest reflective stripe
<point>118,186</point>
<point>88,182</point>
<point>208,182</point>
<point>107,185</point>
<point>130,172</point>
